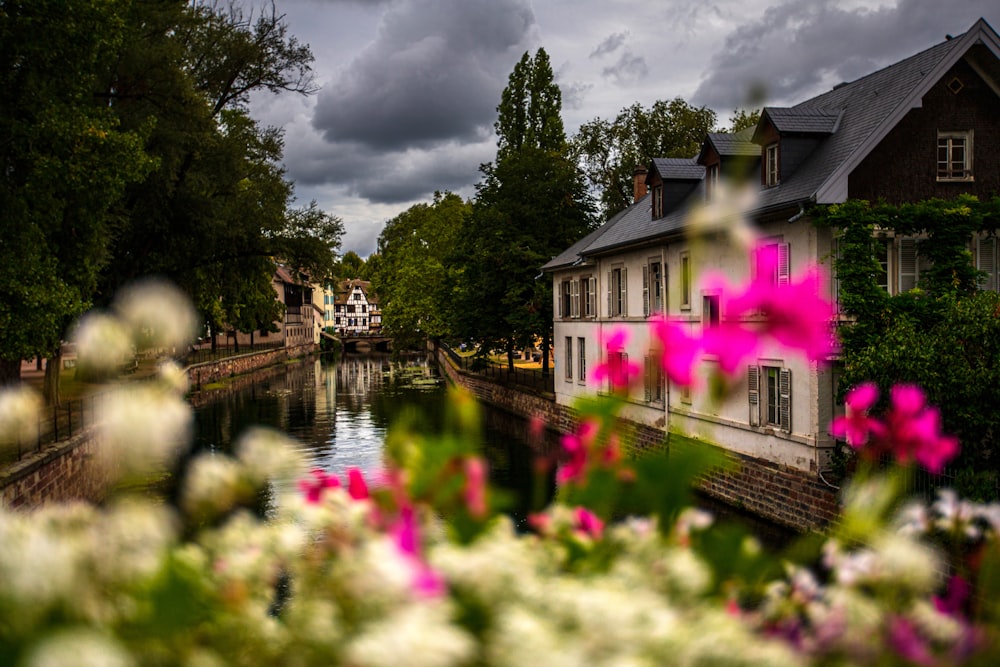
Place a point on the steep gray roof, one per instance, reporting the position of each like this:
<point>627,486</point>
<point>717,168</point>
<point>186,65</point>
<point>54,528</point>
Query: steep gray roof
<point>733,144</point>
<point>574,253</point>
<point>802,121</point>
<point>672,168</point>
<point>851,119</point>
<point>868,109</point>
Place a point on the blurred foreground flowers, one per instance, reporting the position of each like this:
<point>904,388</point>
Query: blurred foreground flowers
<point>419,565</point>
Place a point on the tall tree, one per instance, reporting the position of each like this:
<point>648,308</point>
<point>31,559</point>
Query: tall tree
<point>531,204</point>
<point>609,151</point>
<point>64,162</point>
<point>413,276</point>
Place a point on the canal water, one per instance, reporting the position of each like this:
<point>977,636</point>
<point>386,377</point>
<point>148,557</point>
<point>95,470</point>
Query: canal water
<point>338,410</point>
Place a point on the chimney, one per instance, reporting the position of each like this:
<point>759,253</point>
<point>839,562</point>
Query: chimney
<point>638,183</point>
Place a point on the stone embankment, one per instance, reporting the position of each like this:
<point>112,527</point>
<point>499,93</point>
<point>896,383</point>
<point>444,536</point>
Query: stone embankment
<point>70,469</point>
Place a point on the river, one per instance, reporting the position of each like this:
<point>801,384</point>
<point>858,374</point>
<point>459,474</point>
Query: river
<point>339,410</point>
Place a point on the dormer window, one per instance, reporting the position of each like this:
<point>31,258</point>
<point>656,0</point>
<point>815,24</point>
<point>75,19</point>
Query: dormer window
<point>771,165</point>
<point>954,156</point>
<point>657,202</point>
<point>711,180</point>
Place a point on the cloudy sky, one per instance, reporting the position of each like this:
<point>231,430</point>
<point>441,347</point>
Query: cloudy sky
<point>409,88</point>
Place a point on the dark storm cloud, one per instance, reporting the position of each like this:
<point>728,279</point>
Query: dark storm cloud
<point>433,74</point>
<point>803,47</point>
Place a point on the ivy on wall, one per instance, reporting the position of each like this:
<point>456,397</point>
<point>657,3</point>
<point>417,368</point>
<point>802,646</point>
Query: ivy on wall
<point>943,335</point>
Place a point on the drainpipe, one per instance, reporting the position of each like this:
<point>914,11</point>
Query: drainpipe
<point>802,211</point>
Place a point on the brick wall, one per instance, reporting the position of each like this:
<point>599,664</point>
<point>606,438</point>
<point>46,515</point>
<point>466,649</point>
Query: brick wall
<point>792,498</point>
<point>69,470</point>
<point>61,472</point>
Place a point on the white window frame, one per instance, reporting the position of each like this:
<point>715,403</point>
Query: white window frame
<point>986,261</point>
<point>655,387</point>
<point>590,297</point>
<point>581,352</point>
<point>769,395</point>
<point>568,358</point>
<point>618,291</point>
<point>574,299</point>
<point>711,180</point>
<point>951,169</point>
<point>685,280</point>
<point>772,173</point>
<point>652,287</point>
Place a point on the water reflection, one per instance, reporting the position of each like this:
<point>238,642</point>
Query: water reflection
<point>339,411</point>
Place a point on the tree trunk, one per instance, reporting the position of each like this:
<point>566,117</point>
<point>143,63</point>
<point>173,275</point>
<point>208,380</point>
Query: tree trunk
<point>510,357</point>
<point>236,342</point>
<point>10,371</point>
<point>52,374</point>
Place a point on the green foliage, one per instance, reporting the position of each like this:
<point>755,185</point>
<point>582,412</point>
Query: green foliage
<point>945,335</point>
<point>609,151</point>
<point>530,109</point>
<point>412,274</point>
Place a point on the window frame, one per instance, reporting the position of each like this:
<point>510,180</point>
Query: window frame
<point>949,141</point>
<point>568,359</point>
<point>589,296</point>
<point>769,395</point>
<point>772,165</point>
<point>618,291</point>
<point>658,201</point>
<point>581,351</point>
<point>685,280</point>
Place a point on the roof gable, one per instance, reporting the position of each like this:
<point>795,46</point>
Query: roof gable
<point>678,169</point>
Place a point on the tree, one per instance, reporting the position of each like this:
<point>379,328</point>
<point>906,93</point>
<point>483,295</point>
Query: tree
<point>743,119</point>
<point>350,266</point>
<point>64,162</point>
<point>609,152</point>
<point>412,275</point>
<point>531,204</point>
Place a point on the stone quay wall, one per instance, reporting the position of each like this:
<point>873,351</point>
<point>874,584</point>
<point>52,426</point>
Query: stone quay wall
<point>71,469</point>
<point>792,498</point>
<point>65,471</point>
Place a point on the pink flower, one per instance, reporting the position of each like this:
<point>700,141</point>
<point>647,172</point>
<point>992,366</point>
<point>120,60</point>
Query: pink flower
<point>356,486</point>
<point>425,582</point>
<point>475,487</point>
<point>915,429</point>
<point>616,368</point>
<point>856,425</point>
<point>313,489</point>
<point>732,346</point>
<point>907,642</point>
<point>588,523</point>
<point>680,351</point>
<point>576,446</point>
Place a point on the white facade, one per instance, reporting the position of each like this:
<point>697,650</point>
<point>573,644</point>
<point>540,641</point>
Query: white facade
<point>354,309</point>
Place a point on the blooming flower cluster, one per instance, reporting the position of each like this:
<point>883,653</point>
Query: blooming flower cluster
<point>911,430</point>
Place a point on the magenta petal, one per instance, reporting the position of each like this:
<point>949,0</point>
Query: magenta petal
<point>907,399</point>
<point>356,486</point>
<point>862,397</point>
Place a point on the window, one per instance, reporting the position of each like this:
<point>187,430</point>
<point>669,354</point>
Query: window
<point>954,156</point>
<point>685,281</point>
<point>911,264</point>
<point>569,359</point>
<point>710,311</point>
<point>652,288</point>
<point>986,261</point>
<point>581,352</point>
<point>617,360</point>
<point>771,165</point>
<point>770,396</point>
<point>350,308</point>
<point>574,298</point>
<point>711,180</point>
<point>338,309</point>
<point>654,379</point>
<point>564,307</point>
<point>589,296</point>
<point>772,263</point>
<point>657,201</point>
<point>364,308</point>
<point>617,295</point>
<point>882,257</point>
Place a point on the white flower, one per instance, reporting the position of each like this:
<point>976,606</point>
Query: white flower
<point>173,377</point>
<point>417,635</point>
<point>103,342</point>
<point>20,411</point>
<point>143,428</point>
<point>269,454</point>
<point>159,314</point>
<point>212,485</point>
<point>80,647</point>
<point>913,519</point>
<point>130,540</point>
<point>955,515</point>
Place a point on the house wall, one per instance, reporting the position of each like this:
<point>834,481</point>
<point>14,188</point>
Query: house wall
<point>903,167</point>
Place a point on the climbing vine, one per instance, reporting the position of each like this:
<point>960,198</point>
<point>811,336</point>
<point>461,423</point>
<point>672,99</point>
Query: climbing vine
<point>944,334</point>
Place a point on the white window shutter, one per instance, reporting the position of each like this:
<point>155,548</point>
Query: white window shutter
<point>574,298</point>
<point>907,264</point>
<point>624,289</point>
<point>753,392</point>
<point>647,361</point>
<point>592,297</point>
<point>785,400</point>
<point>610,288</point>
<point>986,261</point>
<point>784,263</point>
<point>645,290</point>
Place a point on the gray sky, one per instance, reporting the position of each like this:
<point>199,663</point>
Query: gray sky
<point>409,88</point>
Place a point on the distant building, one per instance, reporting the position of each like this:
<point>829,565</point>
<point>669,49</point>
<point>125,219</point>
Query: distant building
<point>353,309</point>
